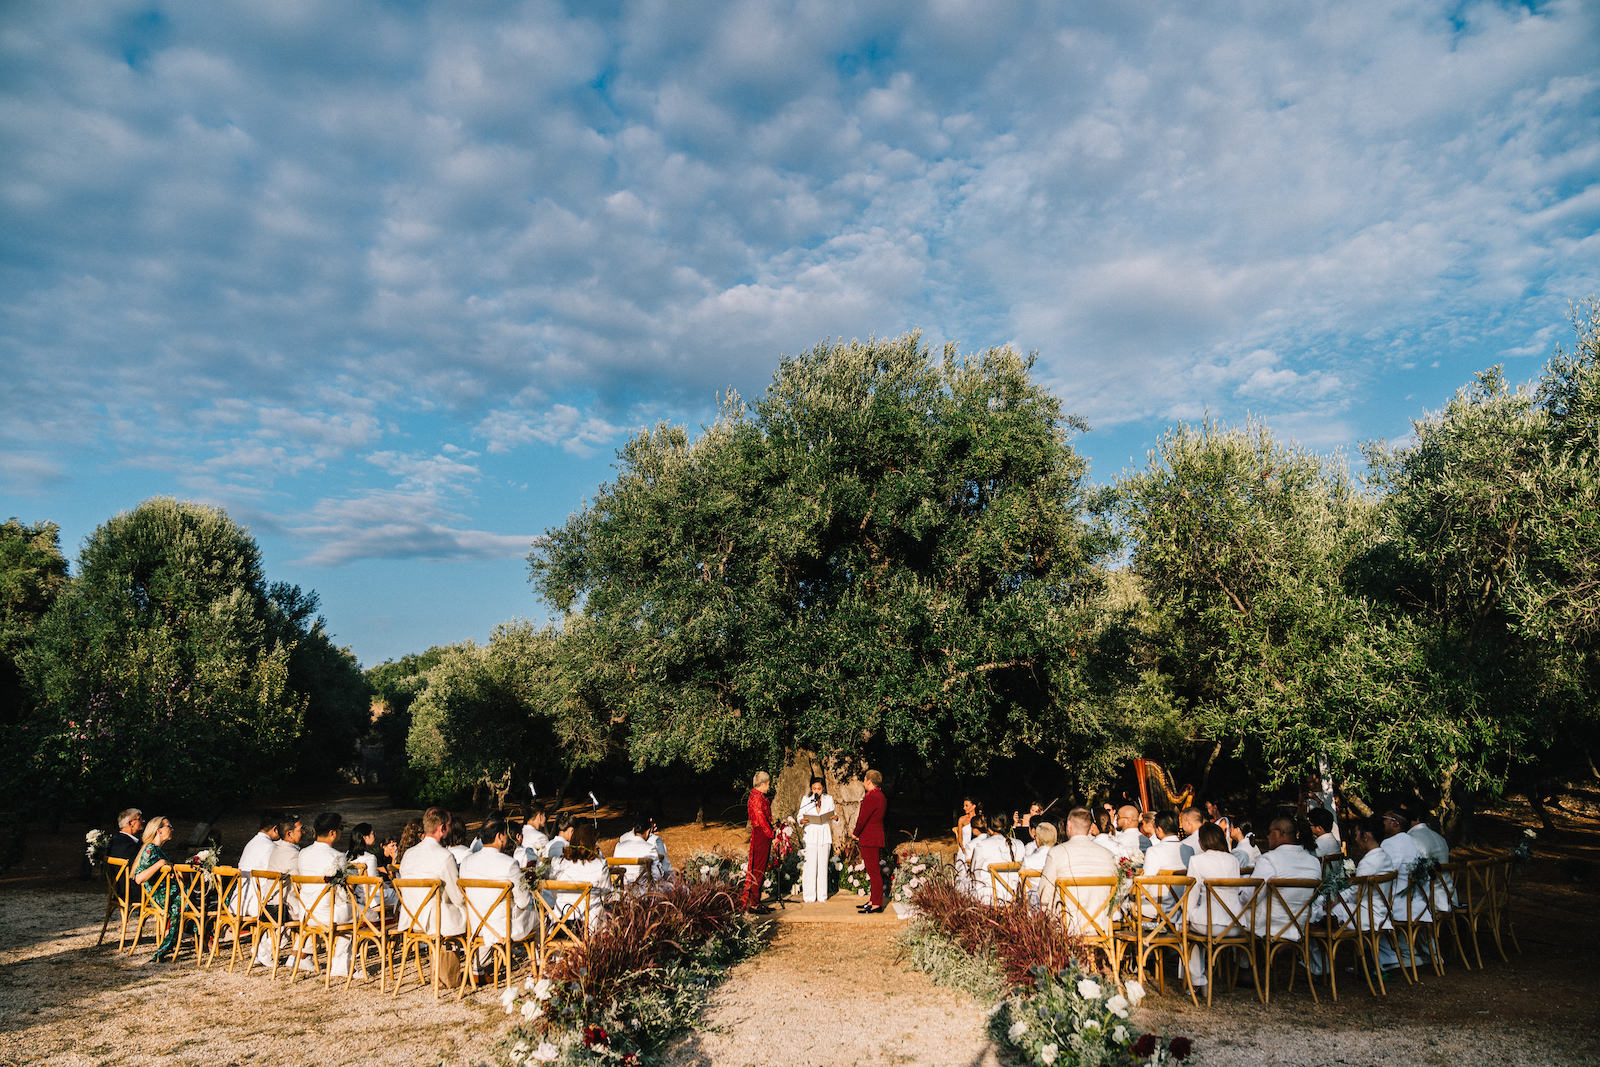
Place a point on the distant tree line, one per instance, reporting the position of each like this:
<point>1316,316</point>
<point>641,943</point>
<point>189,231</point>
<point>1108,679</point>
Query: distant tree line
<point>893,557</point>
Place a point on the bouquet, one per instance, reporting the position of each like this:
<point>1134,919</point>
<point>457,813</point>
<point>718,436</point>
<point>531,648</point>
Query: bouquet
<point>917,870</point>
<point>1522,851</point>
<point>1073,1017</point>
<point>339,873</point>
<point>1335,879</point>
<point>95,844</point>
<point>534,873</point>
<point>207,858</point>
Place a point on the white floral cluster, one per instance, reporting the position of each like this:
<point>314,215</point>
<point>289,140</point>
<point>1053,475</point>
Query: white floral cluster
<point>95,843</point>
<point>529,1003</point>
<point>916,871</point>
<point>1077,1019</point>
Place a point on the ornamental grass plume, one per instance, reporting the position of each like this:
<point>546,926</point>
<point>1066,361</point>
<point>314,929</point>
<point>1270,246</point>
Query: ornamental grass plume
<point>1019,936</point>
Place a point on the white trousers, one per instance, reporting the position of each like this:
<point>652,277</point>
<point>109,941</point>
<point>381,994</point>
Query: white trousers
<point>814,875</point>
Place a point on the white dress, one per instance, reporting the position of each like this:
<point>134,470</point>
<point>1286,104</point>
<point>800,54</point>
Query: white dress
<point>994,849</point>
<point>818,838</point>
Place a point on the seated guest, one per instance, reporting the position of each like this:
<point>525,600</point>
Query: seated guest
<point>995,848</point>
<point>1212,861</point>
<point>1189,822</point>
<point>1435,847</point>
<point>534,840</point>
<point>363,840</point>
<point>1124,840</point>
<point>663,864</point>
<point>580,861</point>
<point>126,842</point>
<point>1244,847</point>
<point>635,845</point>
<point>1034,856</point>
<point>321,859</point>
<point>491,864</point>
<point>428,858</point>
<point>456,841</point>
<point>410,834</point>
<point>1166,850</point>
<point>284,859</point>
<point>1078,857</point>
<point>1284,858</point>
<point>565,825</point>
<point>966,877</point>
<point>1409,902</point>
<point>257,856</point>
<point>1103,822</point>
<point>1374,860</point>
<point>148,867</point>
<point>1321,820</point>
<point>1147,829</point>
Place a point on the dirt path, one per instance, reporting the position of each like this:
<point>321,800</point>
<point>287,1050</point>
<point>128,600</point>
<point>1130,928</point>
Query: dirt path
<point>830,990</point>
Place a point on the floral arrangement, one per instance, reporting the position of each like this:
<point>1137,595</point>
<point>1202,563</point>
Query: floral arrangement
<point>1522,851</point>
<point>1128,868</point>
<point>712,867</point>
<point>853,874</point>
<point>914,871</point>
<point>534,873</point>
<point>1335,879</point>
<point>640,978</point>
<point>1072,1017</point>
<point>207,858</point>
<point>95,844</point>
<point>1422,871</point>
<point>339,873</point>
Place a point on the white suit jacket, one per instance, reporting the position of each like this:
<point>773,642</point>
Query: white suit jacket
<point>1211,864</point>
<point>1436,848</point>
<point>1164,855</point>
<point>1404,851</point>
<point>492,865</point>
<point>994,848</point>
<point>1078,857</point>
<point>534,844</point>
<point>429,859</point>
<point>1190,847</point>
<point>257,856</point>
<point>317,860</point>
<point>1285,861</point>
<point>592,871</point>
<point>633,847</point>
<point>1328,845</point>
<point>285,859</point>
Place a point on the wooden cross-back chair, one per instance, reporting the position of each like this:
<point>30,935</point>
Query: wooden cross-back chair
<point>1158,918</point>
<point>617,869</point>
<point>419,924</point>
<point>269,899</point>
<point>1286,924</point>
<point>1411,912</point>
<point>1451,911</point>
<point>1373,925</point>
<point>1227,924</point>
<point>561,925</point>
<point>488,930</point>
<point>1499,868</point>
<point>1002,889</point>
<point>228,913</point>
<point>369,927</point>
<point>157,886</point>
<point>1340,925</point>
<point>319,922</point>
<point>191,884</point>
<point>119,898</point>
<point>1097,926</point>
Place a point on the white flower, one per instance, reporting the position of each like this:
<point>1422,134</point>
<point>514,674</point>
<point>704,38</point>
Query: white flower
<point>1118,1005</point>
<point>531,1009</point>
<point>1088,1023</point>
<point>705,870</point>
<point>541,989</point>
<point>519,1050</point>
<point>1088,989</point>
<point>1048,1054</point>
<point>1018,1028</point>
<point>331,871</point>
<point>546,1052</point>
<point>92,836</point>
<point>1120,1035</point>
<point>1135,992</point>
<point>508,998</point>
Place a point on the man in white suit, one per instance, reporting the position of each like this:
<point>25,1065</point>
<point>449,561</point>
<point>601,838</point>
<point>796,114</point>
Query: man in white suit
<point>429,858</point>
<point>1189,823</point>
<point>1124,841</point>
<point>1284,858</point>
<point>635,845</point>
<point>534,840</point>
<point>1079,857</point>
<point>1436,848</point>
<point>284,859</point>
<point>1328,844</point>
<point>319,860</point>
<point>491,864</point>
<point>257,856</point>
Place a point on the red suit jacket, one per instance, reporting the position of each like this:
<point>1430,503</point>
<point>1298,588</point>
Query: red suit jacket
<point>869,820</point>
<point>760,806</point>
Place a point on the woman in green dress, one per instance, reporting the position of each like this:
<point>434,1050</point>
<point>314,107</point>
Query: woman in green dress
<point>151,862</point>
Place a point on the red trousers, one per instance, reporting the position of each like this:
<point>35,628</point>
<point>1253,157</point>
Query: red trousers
<point>871,856</point>
<point>760,847</point>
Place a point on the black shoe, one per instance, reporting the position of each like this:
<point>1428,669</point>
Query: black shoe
<point>760,909</point>
<point>872,909</point>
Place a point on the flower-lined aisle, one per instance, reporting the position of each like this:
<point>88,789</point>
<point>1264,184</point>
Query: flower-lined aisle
<point>641,977</point>
<point>1052,1006</point>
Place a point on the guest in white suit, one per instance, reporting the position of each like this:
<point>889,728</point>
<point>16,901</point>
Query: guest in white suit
<point>563,836</point>
<point>581,861</point>
<point>1328,844</point>
<point>257,856</point>
<point>1189,823</point>
<point>1435,847</point>
<point>1079,857</point>
<point>817,818</point>
<point>1409,902</point>
<point>1243,844</point>
<point>1284,858</point>
<point>492,864</point>
<point>995,848</point>
<point>635,845</point>
<point>1124,840</point>
<point>1212,861</point>
<point>1166,850</point>
<point>1035,855</point>
<point>663,864</point>
<point>319,860</point>
<point>535,841</point>
<point>429,858</point>
<point>284,858</point>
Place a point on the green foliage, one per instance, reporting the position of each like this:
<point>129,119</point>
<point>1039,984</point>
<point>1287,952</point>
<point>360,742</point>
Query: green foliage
<point>157,672</point>
<point>480,723</point>
<point>928,950</point>
<point>887,556</point>
<point>32,574</point>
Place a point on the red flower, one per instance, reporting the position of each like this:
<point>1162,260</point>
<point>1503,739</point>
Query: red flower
<point>1180,1047</point>
<point>594,1035</point>
<point>1144,1046</point>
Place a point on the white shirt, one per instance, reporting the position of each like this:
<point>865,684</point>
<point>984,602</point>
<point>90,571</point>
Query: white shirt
<point>256,856</point>
<point>1165,854</point>
<point>492,865</point>
<point>534,844</point>
<point>429,859</point>
<point>1404,851</point>
<point>592,871</point>
<point>460,852</point>
<point>318,860</point>
<point>374,869</point>
<point>1285,861</point>
<point>1328,845</point>
<point>1079,857</point>
<point>1191,847</point>
<point>630,846</point>
<point>663,864</point>
<point>1436,848</point>
<point>1203,865</point>
<point>821,833</point>
<point>1246,852</point>
<point>994,848</point>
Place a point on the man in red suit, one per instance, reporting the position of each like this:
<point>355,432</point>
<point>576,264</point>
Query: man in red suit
<point>761,835</point>
<point>869,835</point>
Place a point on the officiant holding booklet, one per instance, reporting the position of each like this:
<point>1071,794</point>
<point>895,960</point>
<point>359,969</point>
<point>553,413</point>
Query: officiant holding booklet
<point>816,815</point>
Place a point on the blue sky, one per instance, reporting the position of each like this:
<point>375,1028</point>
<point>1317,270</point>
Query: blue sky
<point>391,282</point>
